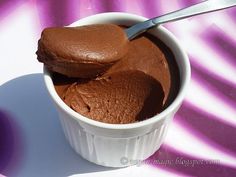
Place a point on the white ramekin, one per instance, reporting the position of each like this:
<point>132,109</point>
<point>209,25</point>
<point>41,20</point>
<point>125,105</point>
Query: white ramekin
<point>119,145</point>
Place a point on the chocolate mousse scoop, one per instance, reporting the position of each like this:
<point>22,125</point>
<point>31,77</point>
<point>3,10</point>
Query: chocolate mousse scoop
<point>122,97</point>
<point>85,51</point>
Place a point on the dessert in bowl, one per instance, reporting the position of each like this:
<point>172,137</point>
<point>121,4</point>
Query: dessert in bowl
<point>124,111</point>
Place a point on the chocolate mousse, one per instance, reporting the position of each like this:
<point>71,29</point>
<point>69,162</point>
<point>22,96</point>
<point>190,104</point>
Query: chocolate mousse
<point>120,97</point>
<point>84,51</point>
<point>135,86</point>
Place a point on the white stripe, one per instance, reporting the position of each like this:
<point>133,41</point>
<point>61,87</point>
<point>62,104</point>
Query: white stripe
<point>18,43</point>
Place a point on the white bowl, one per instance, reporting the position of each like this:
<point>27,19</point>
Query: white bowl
<point>119,145</point>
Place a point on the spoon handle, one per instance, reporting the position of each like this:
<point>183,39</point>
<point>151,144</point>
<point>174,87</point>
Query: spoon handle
<point>200,8</point>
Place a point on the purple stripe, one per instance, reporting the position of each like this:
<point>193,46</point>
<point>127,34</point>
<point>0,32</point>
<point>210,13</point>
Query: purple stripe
<point>183,164</point>
<point>208,128</point>
<point>187,3</point>
<point>11,149</point>
<point>132,7</point>
<point>108,5</point>
<point>215,84</point>
<point>221,43</point>
<point>232,13</point>
<point>150,8</point>
<point>8,6</point>
<point>85,8</point>
<point>54,13</point>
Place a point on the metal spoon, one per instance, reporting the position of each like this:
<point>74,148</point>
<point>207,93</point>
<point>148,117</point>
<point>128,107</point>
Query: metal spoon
<point>200,8</point>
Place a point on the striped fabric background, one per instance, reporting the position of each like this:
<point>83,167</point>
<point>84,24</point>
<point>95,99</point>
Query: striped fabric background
<point>202,138</point>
